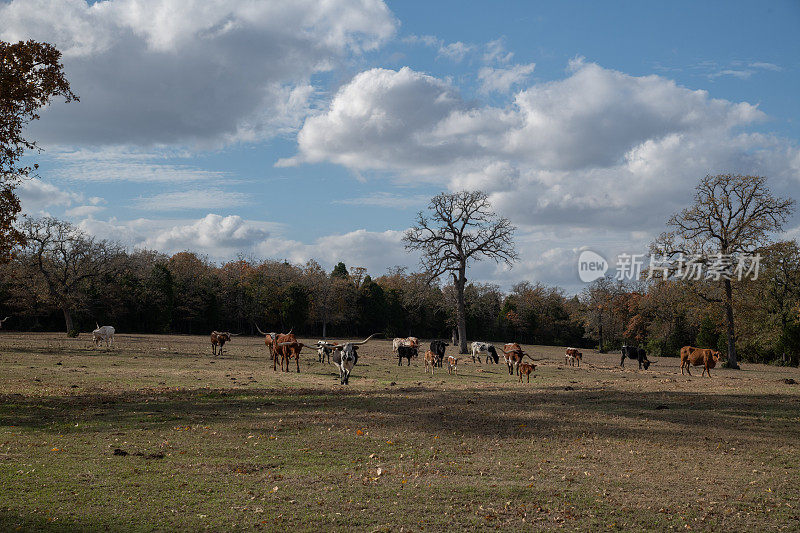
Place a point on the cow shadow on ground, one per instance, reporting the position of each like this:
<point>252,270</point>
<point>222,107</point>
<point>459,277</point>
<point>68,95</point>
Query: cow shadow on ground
<point>490,412</point>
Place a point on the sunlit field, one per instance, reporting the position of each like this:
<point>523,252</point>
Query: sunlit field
<point>158,434</point>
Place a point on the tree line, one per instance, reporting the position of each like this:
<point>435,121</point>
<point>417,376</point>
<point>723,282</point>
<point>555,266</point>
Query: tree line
<point>65,279</point>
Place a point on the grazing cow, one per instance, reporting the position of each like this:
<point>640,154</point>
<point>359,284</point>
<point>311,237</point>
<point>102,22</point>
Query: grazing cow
<point>345,357</point>
<point>525,369</point>
<point>513,355</point>
<point>638,354</point>
<point>430,361</point>
<point>452,364</point>
<point>439,348</point>
<point>1,321</point>
<point>481,347</point>
<point>105,333</point>
<point>405,351</point>
<point>573,356</point>
<point>699,356</point>
<point>219,338</point>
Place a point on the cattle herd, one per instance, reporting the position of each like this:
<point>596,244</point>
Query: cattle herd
<point>284,347</point>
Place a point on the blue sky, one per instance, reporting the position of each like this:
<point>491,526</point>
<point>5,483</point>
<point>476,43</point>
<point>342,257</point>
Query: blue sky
<point>303,130</point>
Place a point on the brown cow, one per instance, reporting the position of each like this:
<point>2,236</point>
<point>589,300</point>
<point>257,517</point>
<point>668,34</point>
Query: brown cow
<point>219,338</point>
<point>288,348</point>
<point>525,369</point>
<point>430,361</point>
<point>573,356</point>
<point>271,340</point>
<point>513,355</point>
<point>699,356</point>
<point>452,363</point>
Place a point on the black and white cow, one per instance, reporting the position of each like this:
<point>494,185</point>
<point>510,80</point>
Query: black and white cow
<point>406,351</point>
<point>487,348</point>
<point>637,354</point>
<point>439,348</point>
<point>345,357</point>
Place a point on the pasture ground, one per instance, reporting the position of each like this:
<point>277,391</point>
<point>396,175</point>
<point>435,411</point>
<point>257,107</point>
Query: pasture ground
<point>226,443</point>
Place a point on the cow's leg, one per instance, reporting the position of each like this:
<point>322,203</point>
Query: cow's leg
<point>622,361</point>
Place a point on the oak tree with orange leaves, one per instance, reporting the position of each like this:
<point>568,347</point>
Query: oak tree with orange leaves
<point>31,74</point>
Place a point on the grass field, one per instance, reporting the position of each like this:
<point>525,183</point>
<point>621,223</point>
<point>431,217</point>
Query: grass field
<point>226,443</point>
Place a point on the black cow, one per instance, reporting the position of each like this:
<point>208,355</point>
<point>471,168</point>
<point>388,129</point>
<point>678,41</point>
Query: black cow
<point>638,354</point>
<point>406,351</point>
<point>439,347</point>
<point>491,355</point>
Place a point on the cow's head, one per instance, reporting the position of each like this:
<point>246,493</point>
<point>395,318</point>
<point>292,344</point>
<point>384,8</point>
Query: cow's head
<point>646,364</point>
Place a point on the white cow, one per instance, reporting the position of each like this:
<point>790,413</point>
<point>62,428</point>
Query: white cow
<point>105,333</point>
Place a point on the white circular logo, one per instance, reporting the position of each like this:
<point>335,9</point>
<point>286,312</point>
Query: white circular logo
<point>591,266</point>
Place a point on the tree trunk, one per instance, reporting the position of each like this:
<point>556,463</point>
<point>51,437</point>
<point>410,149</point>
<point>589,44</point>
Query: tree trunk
<point>602,348</point>
<point>68,319</point>
<point>461,281</point>
<point>732,362</point>
<point>324,329</point>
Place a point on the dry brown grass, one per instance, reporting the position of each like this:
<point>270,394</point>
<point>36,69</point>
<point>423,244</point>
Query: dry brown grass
<point>225,443</point>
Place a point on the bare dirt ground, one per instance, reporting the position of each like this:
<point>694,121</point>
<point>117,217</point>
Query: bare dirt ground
<point>158,434</point>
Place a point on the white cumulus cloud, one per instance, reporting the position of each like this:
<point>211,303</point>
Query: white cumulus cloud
<point>179,71</point>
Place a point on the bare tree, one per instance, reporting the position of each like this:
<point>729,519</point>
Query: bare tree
<point>731,215</point>
<point>66,260</point>
<point>461,228</point>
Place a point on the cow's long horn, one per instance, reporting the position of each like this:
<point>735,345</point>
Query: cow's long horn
<point>290,331</point>
<point>234,334</point>
<point>259,330</point>
<point>365,340</point>
<point>98,325</point>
